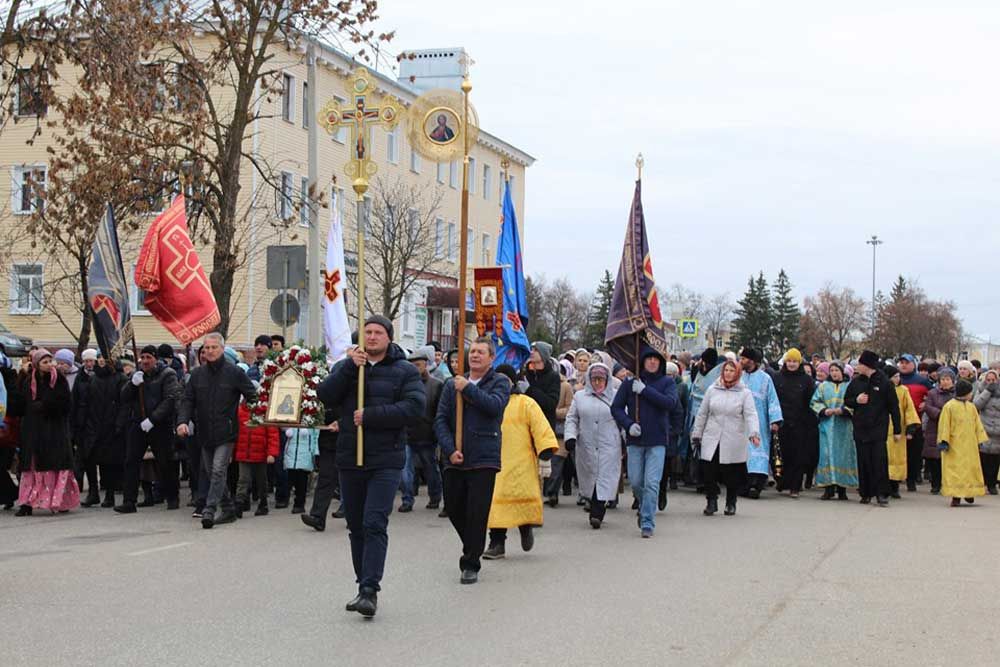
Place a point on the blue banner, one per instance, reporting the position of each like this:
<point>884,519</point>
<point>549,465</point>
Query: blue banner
<point>107,291</point>
<point>513,347</point>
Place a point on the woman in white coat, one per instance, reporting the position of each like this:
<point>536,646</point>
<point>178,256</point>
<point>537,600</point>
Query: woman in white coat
<point>592,433</point>
<point>726,420</point>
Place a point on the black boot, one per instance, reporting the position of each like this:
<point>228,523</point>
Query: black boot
<point>730,507</point>
<point>711,507</point>
<point>93,498</point>
<point>527,538</point>
<point>828,493</point>
<point>317,523</point>
<point>841,493</point>
<point>126,508</point>
<point>109,499</point>
<point>23,510</point>
<point>262,509</point>
<point>368,604</point>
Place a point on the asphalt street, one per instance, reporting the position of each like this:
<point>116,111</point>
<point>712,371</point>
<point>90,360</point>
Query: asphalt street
<point>785,581</point>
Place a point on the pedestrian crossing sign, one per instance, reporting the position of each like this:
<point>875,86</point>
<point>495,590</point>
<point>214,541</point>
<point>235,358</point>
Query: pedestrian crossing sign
<point>689,328</point>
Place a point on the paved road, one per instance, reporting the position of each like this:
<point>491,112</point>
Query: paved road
<point>807,581</point>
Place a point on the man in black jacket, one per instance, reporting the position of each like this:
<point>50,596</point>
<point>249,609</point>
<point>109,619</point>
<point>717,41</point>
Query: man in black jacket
<point>471,473</point>
<point>542,379</point>
<point>421,445</point>
<point>149,424</point>
<point>872,401</point>
<point>394,398</point>
<point>211,401</point>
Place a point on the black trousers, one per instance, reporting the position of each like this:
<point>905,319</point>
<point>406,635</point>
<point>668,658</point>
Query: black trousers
<point>914,450</point>
<point>8,489</point>
<point>991,465</point>
<point>166,468</point>
<point>298,481</point>
<point>732,475</point>
<point>468,495</point>
<point>934,470</point>
<point>194,466</point>
<point>598,508</point>
<point>327,483</point>
<point>794,456</point>
<point>499,535</point>
<point>554,480</point>
<point>873,468</point>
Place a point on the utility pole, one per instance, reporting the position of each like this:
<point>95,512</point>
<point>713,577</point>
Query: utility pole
<point>874,242</point>
<point>314,334</point>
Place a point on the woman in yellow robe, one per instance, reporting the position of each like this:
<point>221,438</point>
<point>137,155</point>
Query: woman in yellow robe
<point>960,432</point>
<point>910,423</point>
<point>517,496</point>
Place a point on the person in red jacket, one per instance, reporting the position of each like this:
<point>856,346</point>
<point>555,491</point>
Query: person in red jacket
<point>256,448</point>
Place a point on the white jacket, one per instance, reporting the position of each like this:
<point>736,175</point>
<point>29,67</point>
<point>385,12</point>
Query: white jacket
<point>727,420</point>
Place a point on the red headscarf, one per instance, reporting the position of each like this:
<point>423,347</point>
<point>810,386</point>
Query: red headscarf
<point>722,375</point>
<point>36,357</point>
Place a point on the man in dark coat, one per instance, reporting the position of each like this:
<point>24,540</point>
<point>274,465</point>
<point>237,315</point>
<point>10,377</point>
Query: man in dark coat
<point>543,384</point>
<point>394,398</point>
<point>211,402</point>
<point>872,401</point>
<point>471,473</point>
<point>795,389</point>
<point>642,409</point>
<point>104,439</point>
<point>150,424</point>
<point>918,386</point>
<point>421,445</point>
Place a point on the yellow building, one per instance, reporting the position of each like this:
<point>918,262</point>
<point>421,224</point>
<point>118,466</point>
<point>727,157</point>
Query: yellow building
<point>30,308</point>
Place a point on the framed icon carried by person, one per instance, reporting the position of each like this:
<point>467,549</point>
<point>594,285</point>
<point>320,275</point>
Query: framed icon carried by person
<point>285,402</point>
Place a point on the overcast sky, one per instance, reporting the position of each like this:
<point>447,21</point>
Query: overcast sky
<point>776,134</point>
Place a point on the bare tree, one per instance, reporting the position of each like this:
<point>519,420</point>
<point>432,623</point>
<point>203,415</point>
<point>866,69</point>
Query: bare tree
<point>685,302</point>
<point>25,69</point>
<point>565,311</point>
<point>832,320</point>
<point>717,314</point>
<point>401,246</point>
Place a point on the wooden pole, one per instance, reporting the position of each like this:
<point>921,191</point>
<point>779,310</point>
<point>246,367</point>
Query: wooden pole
<point>360,187</point>
<point>463,264</point>
<point>638,367</point>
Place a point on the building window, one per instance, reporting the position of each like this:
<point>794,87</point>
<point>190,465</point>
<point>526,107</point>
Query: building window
<point>487,255</point>
<point>285,196</point>
<point>472,175</point>
<point>392,146</point>
<point>413,224</point>
<point>305,104</point>
<point>487,181</point>
<point>138,298</point>
<point>414,161</point>
<point>28,92</point>
<point>28,190</point>
<point>26,289</point>
<point>453,174</point>
<point>452,242</point>
<point>513,193</point>
<point>440,172</point>
<point>340,136</point>
<point>288,97</point>
<point>439,239</point>
<point>304,203</point>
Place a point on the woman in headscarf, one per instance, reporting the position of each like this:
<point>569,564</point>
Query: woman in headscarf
<point>592,433</point>
<point>910,423</point>
<point>838,457</point>
<point>47,480</point>
<point>726,419</point>
<point>552,482</point>
<point>988,403</point>
<point>581,362</point>
<point>933,403</point>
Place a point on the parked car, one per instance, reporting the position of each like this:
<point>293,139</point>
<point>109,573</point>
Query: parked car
<point>13,345</point>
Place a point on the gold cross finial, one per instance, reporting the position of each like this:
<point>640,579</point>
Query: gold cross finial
<point>638,165</point>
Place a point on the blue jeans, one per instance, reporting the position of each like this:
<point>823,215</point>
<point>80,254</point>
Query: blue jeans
<point>422,455</point>
<point>645,468</point>
<point>367,497</point>
<point>214,466</point>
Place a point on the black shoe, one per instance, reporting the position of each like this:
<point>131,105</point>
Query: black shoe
<point>730,509</point>
<point>126,508</point>
<point>992,490</point>
<point>935,490</point>
<point>93,498</point>
<point>280,504</point>
<point>262,509</point>
<point>443,514</point>
<point>527,538</point>
<point>970,500</point>
<point>866,501</point>
<point>243,504</point>
<point>207,520</point>
<point>754,493</point>
<point>367,604</point>
<point>197,513</point>
<point>635,503</point>
<point>841,493</point>
<point>883,501</point>
<point>828,493</point>
<point>581,502</point>
<point>495,552</point>
<point>338,513</point>
<point>317,524</point>
<point>612,504</point>
<point>109,499</point>
<point>298,509</point>
<point>911,486</point>
<point>433,504</point>
<point>226,517</point>
<point>895,494</point>
<point>711,507</point>
<point>23,510</point>
<point>405,507</point>
<point>353,604</point>
<point>595,523</point>
<point>173,504</point>
<point>469,577</point>
<point>956,502</point>
<point>553,501</point>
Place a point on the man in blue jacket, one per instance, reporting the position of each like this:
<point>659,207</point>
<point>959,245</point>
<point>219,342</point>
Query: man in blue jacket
<point>471,473</point>
<point>394,398</point>
<point>642,409</point>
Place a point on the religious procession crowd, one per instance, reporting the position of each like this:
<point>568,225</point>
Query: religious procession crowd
<point>574,426</point>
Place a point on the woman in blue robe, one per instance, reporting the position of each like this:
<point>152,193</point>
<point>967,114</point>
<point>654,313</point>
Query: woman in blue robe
<point>838,459</point>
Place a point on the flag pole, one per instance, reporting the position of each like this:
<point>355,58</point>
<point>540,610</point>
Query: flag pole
<point>360,187</point>
<point>463,265</point>
<point>638,165</point>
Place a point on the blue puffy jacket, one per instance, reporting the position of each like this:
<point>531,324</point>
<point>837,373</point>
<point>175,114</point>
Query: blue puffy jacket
<point>481,419</point>
<point>656,403</point>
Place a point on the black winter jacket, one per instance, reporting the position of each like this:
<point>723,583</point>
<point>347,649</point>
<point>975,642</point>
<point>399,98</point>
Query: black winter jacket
<point>795,390</point>
<point>544,387</point>
<point>394,399</point>
<point>45,436</point>
<point>160,392</point>
<point>482,416</point>
<point>871,420</point>
<point>103,442</point>
<point>421,432</point>
<point>212,400</point>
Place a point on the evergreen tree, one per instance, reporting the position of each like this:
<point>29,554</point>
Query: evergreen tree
<point>787,315</point>
<point>597,317</point>
<point>753,317</point>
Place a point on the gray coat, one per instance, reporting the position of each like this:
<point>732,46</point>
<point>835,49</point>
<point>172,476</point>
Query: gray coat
<point>726,420</point>
<point>988,404</point>
<point>598,441</point>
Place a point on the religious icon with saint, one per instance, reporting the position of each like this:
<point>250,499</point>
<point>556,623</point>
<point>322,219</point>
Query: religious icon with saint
<point>285,404</point>
<point>440,125</point>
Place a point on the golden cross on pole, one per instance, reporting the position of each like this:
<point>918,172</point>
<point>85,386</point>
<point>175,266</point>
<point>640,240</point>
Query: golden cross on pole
<point>639,162</point>
<point>362,113</point>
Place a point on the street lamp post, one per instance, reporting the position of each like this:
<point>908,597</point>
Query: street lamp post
<point>874,242</point>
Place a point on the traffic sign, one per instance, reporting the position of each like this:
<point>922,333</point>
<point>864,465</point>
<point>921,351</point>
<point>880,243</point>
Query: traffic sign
<point>689,328</point>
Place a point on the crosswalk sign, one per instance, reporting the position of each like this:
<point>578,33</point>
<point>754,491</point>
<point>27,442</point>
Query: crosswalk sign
<point>689,328</point>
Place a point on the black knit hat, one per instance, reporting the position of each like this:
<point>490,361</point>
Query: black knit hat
<point>869,359</point>
<point>963,388</point>
<point>148,349</point>
<point>710,356</point>
<point>752,354</point>
<point>165,351</point>
<point>890,370</point>
<point>262,339</point>
<point>508,370</point>
<point>382,321</point>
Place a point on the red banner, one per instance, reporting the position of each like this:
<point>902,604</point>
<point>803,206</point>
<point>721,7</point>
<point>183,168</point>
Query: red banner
<point>169,271</point>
